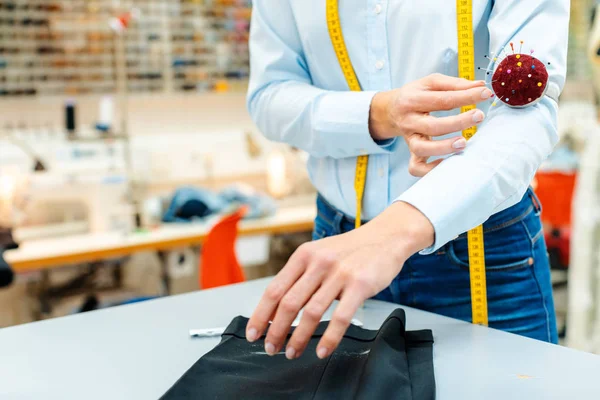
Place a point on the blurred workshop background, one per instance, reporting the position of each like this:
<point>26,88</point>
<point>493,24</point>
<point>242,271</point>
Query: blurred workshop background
<point>130,168</point>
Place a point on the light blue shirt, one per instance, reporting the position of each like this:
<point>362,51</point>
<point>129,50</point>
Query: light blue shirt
<point>298,96</point>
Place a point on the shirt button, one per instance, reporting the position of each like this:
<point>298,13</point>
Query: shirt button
<point>380,172</point>
<point>378,9</point>
<point>379,64</point>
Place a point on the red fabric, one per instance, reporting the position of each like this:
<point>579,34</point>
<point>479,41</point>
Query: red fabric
<point>219,264</point>
<point>555,191</point>
<point>512,83</point>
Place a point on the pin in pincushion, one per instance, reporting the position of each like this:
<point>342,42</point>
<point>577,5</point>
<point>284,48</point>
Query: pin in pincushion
<point>520,80</point>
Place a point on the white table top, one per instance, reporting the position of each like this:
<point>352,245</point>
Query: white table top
<point>138,351</point>
<point>46,253</point>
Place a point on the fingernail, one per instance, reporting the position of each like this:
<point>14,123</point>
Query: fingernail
<point>269,348</point>
<point>486,93</point>
<point>322,352</point>
<point>477,116</point>
<point>251,335</point>
<point>480,82</point>
<point>460,144</point>
<point>290,353</point>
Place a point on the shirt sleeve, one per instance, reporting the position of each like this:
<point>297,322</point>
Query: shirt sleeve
<point>285,105</point>
<point>497,166</point>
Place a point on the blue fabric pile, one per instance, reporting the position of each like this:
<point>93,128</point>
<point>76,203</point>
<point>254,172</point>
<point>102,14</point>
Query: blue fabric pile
<point>191,203</point>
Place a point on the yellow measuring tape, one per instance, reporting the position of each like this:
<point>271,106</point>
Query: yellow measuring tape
<point>466,69</point>
<point>337,39</point>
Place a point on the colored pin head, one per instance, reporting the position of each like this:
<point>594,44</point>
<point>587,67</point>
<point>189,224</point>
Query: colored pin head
<point>520,79</point>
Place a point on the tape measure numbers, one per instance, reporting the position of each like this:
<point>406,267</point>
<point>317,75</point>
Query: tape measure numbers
<point>337,39</point>
<point>466,50</point>
<point>466,69</point>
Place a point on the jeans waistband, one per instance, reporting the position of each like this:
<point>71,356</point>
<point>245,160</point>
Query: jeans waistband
<point>529,203</point>
<point>340,221</point>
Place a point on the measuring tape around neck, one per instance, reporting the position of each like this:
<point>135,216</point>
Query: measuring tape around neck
<point>337,39</point>
<point>466,69</point>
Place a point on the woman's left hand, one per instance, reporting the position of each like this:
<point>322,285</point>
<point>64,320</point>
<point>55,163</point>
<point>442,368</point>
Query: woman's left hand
<point>351,267</point>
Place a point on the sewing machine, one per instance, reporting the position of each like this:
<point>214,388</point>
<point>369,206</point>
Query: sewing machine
<point>57,206</point>
<point>83,188</point>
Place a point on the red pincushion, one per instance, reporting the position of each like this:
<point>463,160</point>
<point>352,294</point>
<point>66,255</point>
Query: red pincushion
<point>520,85</point>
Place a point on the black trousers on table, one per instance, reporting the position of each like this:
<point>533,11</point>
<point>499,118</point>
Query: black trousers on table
<point>390,363</point>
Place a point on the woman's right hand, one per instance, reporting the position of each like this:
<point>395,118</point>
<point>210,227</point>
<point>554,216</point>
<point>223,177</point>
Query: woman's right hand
<point>405,112</point>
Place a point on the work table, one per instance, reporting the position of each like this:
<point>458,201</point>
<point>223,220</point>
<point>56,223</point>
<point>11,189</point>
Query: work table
<point>293,215</point>
<point>138,351</point>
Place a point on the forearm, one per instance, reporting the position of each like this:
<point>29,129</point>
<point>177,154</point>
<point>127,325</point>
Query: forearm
<point>491,175</point>
<point>321,122</point>
<point>499,163</point>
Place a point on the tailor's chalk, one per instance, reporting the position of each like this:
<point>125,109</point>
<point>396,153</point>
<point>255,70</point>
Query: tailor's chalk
<point>210,332</point>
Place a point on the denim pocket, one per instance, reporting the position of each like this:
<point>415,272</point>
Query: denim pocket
<point>506,247</point>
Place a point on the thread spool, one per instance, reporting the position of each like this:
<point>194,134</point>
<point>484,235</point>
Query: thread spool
<point>70,118</point>
<point>105,114</point>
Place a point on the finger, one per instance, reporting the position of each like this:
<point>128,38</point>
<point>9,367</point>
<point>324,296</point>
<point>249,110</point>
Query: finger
<point>419,167</point>
<point>445,82</point>
<point>280,285</point>
<point>312,314</point>
<point>351,300</point>
<point>436,126</point>
<point>428,101</point>
<point>294,300</point>
<point>423,146</point>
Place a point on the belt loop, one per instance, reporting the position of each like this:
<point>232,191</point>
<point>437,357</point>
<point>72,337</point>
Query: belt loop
<point>337,222</point>
<point>536,202</point>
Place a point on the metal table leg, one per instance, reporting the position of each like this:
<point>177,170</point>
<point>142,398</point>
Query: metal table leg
<point>164,275</point>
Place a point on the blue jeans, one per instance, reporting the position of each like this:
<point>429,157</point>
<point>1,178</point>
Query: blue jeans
<point>519,288</point>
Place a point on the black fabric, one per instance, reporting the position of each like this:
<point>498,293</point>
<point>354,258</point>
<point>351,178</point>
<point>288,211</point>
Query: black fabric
<point>193,208</point>
<point>390,363</point>
<point>6,273</point>
<point>6,239</point>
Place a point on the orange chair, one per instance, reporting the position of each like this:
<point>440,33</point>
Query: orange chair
<point>218,263</point>
<point>555,191</point>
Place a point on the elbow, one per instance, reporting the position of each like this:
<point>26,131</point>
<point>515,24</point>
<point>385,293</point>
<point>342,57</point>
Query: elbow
<point>283,119</point>
<point>253,98</point>
<point>548,119</point>
<point>522,151</point>
<point>257,104</point>
<point>270,115</point>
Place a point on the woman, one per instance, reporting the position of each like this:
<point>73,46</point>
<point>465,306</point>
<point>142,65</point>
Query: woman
<point>412,248</point>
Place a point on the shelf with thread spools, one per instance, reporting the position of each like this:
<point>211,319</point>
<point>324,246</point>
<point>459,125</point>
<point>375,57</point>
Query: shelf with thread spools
<point>54,47</point>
